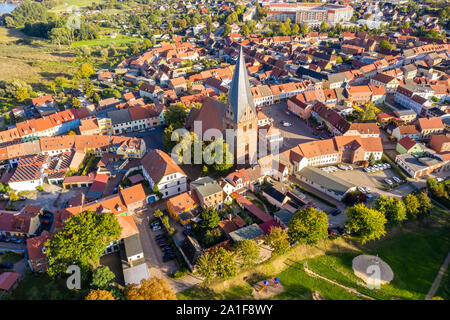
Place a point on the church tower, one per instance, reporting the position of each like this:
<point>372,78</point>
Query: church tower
<point>240,115</point>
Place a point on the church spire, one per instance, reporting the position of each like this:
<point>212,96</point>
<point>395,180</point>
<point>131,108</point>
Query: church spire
<point>240,95</point>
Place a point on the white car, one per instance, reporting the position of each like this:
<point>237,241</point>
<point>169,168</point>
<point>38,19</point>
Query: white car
<point>439,179</point>
<point>367,189</point>
<point>341,166</point>
<point>287,124</point>
<point>388,181</point>
<point>361,189</point>
<point>396,179</point>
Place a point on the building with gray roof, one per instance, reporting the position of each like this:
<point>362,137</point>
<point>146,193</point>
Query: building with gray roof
<point>251,232</point>
<point>325,182</point>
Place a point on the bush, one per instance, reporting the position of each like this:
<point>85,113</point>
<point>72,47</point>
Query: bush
<point>40,188</point>
<point>181,273</point>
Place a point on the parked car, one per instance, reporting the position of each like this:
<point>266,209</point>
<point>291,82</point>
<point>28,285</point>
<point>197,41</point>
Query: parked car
<point>335,212</point>
<point>168,257</point>
<point>396,179</point>
<point>330,232</point>
<point>156,228</point>
<point>160,236</point>
<point>388,181</point>
<point>22,199</point>
<point>367,189</point>
<point>287,124</point>
<point>439,179</point>
<point>361,189</point>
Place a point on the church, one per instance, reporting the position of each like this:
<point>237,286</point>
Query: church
<point>237,116</point>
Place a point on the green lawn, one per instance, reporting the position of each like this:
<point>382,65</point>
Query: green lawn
<point>41,287</point>
<point>69,3</point>
<point>444,288</point>
<point>10,257</point>
<point>119,41</point>
<point>203,293</point>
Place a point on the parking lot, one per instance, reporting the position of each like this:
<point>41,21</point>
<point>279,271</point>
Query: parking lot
<point>375,180</point>
<point>52,198</point>
<point>298,132</point>
<point>153,138</point>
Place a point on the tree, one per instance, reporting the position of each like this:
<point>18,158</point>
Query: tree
<point>13,196</point>
<point>295,29</point>
<point>308,226</point>
<point>369,112</point>
<point>210,218</point>
<point>245,30</point>
<point>217,154</point>
<point>304,28</point>
<point>76,103</point>
<point>277,239</point>
<point>28,12</point>
<point>412,205</point>
<point>425,204</point>
<point>216,263</point>
<point>323,26</point>
<point>85,71</point>
<point>372,160</point>
<point>393,208</point>
<point>158,213</point>
<point>83,240</point>
<point>102,277</point>
<point>99,295</point>
<point>384,44</point>
<point>368,223</point>
<point>247,252</point>
<point>150,289</point>
<point>226,30</point>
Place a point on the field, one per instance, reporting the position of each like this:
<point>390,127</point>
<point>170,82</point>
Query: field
<point>37,63</point>
<point>414,252</point>
<point>79,3</point>
<point>121,40</point>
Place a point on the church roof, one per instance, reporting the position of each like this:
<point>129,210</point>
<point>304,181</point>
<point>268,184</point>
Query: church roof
<point>240,94</point>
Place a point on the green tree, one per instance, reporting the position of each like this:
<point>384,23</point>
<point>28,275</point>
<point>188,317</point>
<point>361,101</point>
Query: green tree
<point>83,240</point>
<point>369,112</point>
<point>217,154</point>
<point>425,204</point>
<point>278,240</point>
<point>85,71</point>
<point>323,26</point>
<point>412,205</point>
<point>226,30</point>
<point>304,28</point>
<point>76,103</point>
<point>247,252</point>
<point>158,213</point>
<point>245,30</point>
<point>308,226</point>
<point>372,160</point>
<point>393,208</point>
<point>216,263</point>
<point>384,44</point>
<point>368,223</point>
<point>102,277</point>
<point>28,12</point>
<point>210,218</point>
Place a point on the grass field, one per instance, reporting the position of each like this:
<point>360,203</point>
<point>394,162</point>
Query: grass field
<point>79,3</point>
<point>41,287</point>
<point>105,41</point>
<point>414,252</point>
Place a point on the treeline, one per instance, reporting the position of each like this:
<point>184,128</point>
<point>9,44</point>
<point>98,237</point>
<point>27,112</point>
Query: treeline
<point>36,21</point>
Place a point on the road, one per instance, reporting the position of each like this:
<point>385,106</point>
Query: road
<point>437,280</point>
<point>153,138</point>
<point>153,256</point>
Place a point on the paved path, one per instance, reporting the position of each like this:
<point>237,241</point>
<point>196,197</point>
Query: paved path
<point>153,257</point>
<point>437,280</point>
<point>351,290</point>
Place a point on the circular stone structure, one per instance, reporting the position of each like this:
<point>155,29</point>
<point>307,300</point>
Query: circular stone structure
<point>372,270</point>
